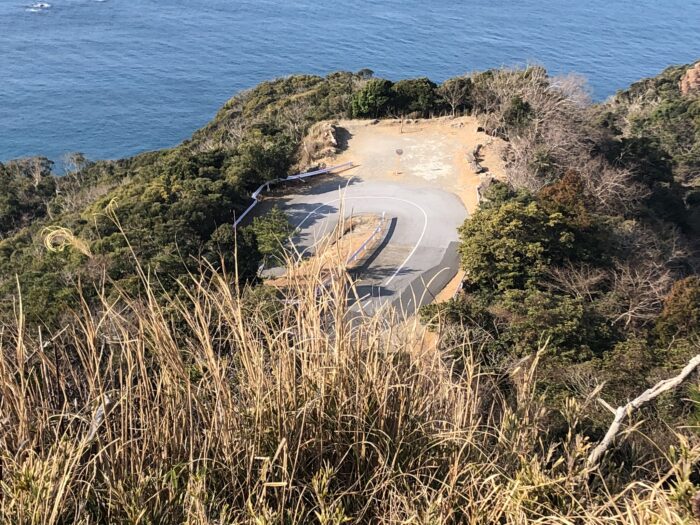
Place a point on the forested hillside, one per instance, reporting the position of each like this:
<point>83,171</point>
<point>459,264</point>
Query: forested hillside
<point>176,206</point>
<point>590,251</point>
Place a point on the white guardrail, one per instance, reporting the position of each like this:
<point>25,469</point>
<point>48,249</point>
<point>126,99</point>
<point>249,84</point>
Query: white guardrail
<point>369,239</point>
<point>357,253</point>
<point>266,185</point>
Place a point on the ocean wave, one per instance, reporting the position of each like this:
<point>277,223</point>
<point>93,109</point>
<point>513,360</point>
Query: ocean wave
<point>38,7</point>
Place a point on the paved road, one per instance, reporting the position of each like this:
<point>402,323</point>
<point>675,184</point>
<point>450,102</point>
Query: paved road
<point>421,233</point>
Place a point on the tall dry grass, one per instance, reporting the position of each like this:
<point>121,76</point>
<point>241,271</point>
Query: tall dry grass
<point>212,407</point>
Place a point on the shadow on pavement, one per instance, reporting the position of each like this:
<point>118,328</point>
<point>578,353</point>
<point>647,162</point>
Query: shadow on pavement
<point>313,186</point>
<point>365,291</point>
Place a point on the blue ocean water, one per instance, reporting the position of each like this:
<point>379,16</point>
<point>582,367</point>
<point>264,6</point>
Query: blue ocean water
<point>111,78</point>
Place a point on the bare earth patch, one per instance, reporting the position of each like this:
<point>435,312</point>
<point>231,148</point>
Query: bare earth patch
<point>433,151</point>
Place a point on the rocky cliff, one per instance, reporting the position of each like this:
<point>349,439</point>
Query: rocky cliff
<point>691,80</point>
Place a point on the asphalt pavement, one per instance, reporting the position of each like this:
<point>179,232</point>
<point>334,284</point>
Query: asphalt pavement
<point>417,256</point>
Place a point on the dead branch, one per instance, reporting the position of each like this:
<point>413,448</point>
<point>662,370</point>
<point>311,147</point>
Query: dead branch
<point>583,281</point>
<point>638,291</point>
<point>624,411</point>
<point>612,189</point>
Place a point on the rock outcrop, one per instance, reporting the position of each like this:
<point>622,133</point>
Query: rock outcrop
<point>691,80</point>
<point>321,142</point>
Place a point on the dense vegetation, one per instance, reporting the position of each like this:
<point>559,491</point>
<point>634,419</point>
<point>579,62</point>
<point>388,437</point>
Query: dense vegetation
<point>178,205</point>
<point>589,250</point>
<point>27,188</point>
<point>145,377</point>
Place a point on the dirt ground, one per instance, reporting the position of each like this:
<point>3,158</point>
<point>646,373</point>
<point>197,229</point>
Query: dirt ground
<point>433,151</point>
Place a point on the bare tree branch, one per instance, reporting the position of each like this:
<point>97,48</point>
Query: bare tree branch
<point>455,92</point>
<point>621,413</point>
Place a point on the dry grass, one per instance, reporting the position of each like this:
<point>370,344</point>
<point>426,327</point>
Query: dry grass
<point>58,238</point>
<point>212,408</point>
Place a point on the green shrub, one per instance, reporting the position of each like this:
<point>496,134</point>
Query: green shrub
<point>415,96</point>
<point>511,245</point>
<point>373,99</point>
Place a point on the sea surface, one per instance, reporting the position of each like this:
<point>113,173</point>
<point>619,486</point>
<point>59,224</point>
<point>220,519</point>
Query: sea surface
<point>115,77</point>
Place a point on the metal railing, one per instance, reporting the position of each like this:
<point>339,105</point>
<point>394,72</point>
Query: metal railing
<point>369,239</point>
<point>267,185</point>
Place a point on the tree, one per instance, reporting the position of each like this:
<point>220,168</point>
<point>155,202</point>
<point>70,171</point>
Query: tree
<point>637,292</point>
<point>272,232</point>
<point>259,158</point>
<point>294,118</point>
<point>517,114</point>
<point>237,250</point>
<point>536,317</point>
<point>73,163</point>
<point>611,189</point>
<point>373,99</point>
<point>456,93</point>
<point>566,194</point>
<point>365,73</point>
<point>28,186</point>
<point>511,246</point>
<point>681,312</point>
<point>415,96</point>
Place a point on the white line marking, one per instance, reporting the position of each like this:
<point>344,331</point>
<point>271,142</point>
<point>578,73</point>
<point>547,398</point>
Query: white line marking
<point>415,247</point>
